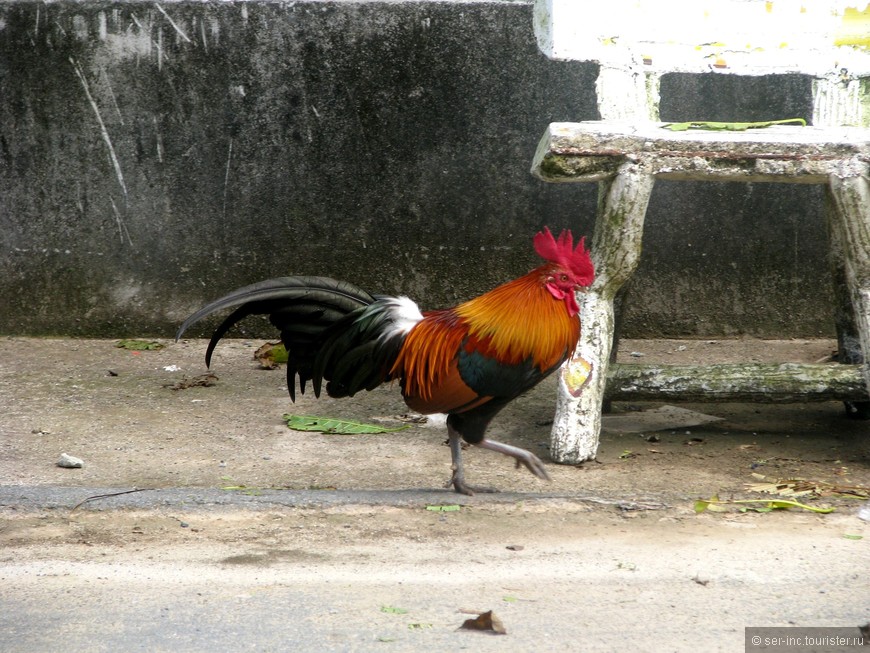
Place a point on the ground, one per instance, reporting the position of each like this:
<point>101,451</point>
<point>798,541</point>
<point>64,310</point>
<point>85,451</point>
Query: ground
<point>244,535</point>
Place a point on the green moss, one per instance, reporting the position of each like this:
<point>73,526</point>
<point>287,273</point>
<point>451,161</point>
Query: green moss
<point>569,166</point>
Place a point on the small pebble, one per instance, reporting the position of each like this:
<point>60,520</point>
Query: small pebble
<point>70,462</point>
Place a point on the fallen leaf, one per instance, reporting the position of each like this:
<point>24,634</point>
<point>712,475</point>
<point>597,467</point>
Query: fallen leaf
<point>729,126</point>
<point>515,547</point>
<point>851,536</point>
<point>389,609</point>
<point>486,621</point>
<point>798,487</point>
<point>203,380</point>
<point>270,355</point>
<point>336,426</point>
<point>715,505</point>
<point>139,345</point>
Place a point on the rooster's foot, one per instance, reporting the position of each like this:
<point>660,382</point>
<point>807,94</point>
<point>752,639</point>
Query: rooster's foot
<point>461,487</point>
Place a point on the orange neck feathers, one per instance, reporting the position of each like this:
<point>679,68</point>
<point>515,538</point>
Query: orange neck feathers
<point>520,320</point>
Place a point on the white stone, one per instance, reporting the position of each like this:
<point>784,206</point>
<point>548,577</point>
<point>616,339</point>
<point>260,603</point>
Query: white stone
<point>70,462</point>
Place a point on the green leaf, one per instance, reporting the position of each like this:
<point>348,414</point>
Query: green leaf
<point>451,508</point>
<point>850,536</point>
<point>139,345</point>
<point>712,504</point>
<point>710,125</point>
<point>419,626</point>
<point>389,609</point>
<point>336,426</point>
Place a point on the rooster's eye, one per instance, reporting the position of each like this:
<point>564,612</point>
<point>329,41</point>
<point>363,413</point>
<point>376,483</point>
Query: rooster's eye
<point>563,277</point>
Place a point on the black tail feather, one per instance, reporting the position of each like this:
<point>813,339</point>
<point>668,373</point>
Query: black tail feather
<point>330,329</point>
<point>311,292</point>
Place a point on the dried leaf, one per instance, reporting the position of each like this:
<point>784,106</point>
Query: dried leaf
<point>336,426</point>
<point>203,380</point>
<point>270,355</point>
<point>486,621</point>
<point>139,345</point>
<point>799,487</point>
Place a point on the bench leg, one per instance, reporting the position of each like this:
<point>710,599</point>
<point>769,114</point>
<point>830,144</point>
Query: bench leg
<point>849,233</point>
<point>616,246</point>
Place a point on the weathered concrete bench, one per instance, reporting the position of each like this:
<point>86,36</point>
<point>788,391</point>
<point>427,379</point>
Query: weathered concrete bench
<point>634,43</point>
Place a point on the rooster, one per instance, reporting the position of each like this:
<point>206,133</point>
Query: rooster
<point>468,361</point>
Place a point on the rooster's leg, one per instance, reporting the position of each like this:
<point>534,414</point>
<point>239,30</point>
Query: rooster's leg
<point>523,457</point>
<point>458,478</point>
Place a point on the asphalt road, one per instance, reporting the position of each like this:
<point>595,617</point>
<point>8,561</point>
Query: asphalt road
<point>210,570</point>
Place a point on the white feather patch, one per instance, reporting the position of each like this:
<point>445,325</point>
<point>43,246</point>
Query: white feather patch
<point>405,314</point>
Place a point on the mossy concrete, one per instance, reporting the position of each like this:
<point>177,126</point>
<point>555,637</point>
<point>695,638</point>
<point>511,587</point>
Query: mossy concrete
<point>154,157</point>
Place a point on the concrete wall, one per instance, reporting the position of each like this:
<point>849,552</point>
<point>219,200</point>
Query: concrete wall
<point>156,155</point>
